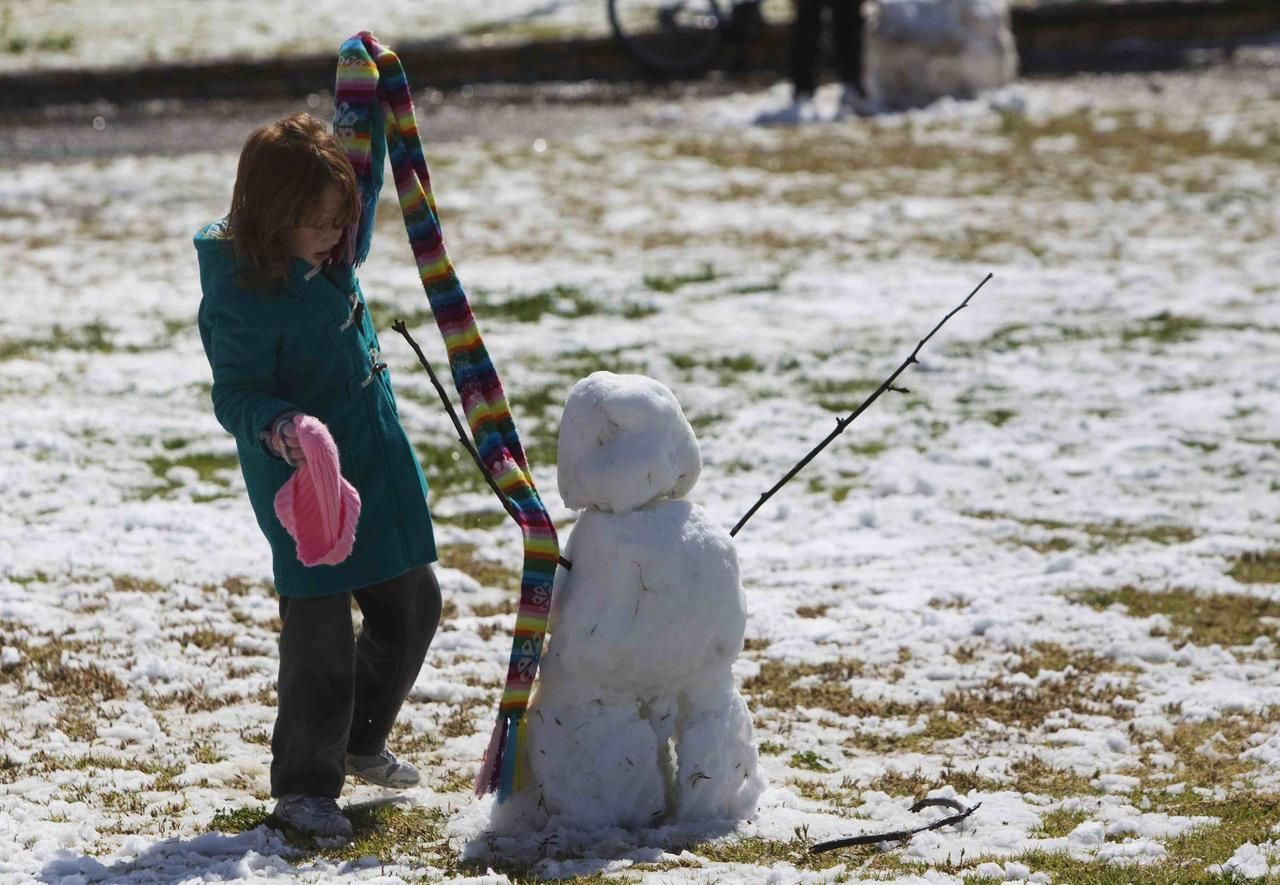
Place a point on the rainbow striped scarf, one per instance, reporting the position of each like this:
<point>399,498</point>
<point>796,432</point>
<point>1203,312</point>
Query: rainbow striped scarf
<point>374,118</point>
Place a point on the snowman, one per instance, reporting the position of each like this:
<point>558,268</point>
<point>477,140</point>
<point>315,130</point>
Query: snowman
<point>635,721</point>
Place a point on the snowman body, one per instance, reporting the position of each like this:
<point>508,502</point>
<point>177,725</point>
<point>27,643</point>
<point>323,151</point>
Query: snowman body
<point>635,720</point>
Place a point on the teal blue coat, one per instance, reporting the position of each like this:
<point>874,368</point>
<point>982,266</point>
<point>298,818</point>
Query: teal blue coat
<point>303,349</point>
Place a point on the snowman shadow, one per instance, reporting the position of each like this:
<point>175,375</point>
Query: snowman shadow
<point>558,851</point>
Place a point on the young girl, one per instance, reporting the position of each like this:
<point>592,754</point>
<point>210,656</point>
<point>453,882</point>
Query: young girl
<point>286,332</point>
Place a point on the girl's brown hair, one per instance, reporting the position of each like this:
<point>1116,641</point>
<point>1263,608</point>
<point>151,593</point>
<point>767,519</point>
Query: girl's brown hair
<point>284,169</point>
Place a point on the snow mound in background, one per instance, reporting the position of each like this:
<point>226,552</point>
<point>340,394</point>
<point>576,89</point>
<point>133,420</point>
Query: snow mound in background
<point>918,51</point>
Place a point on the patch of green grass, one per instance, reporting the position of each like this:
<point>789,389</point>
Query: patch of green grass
<point>562,301</point>
<point>239,820</point>
<point>390,832</point>
<point>1201,445</point>
<point>1164,328</point>
<point>1059,822</point>
<point>637,310</point>
<point>842,396</point>
<point>535,401</point>
<point>1018,335</point>
<point>1260,567</point>
<point>449,468</point>
<point>838,491</point>
<point>726,366</point>
<point>208,468</point>
<point>14,44</point>
<point>810,761</point>
<point>383,315</point>
<point>1203,619</point>
<point>473,519</point>
<point>999,417</point>
<point>672,282</point>
<point>94,337</point>
<point>575,365</point>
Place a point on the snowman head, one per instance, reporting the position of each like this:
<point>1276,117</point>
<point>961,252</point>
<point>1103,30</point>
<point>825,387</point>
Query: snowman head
<point>624,442</point>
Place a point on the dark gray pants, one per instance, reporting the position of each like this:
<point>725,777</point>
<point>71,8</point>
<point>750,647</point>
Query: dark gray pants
<point>806,38</point>
<point>339,692</point>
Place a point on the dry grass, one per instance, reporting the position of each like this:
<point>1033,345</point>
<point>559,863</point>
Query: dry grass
<point>1097,535</point>
<point>1013,705</point>
<point>491,609</point>
<point>460,723</point>
<point>488,572</point>
<point>1261,567</point>
<point>824,687</point>
<point>56,664</point>
<point>1199,618</point>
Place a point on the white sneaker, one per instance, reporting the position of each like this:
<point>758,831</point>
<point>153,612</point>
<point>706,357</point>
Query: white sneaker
<point>383,770</point>
<point>797,113</point>
<point>853,100</point>
<point>314,815</point>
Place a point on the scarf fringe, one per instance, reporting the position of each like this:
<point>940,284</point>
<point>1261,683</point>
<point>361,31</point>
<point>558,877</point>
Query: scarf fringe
<point>502,769</point>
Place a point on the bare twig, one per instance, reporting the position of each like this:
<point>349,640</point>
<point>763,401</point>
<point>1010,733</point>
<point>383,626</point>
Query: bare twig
<point>841,424</point>
<point>507,503</point>
<point>897,835</point>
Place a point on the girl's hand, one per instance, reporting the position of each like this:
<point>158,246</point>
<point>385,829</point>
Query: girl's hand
<point>283,440</point>
<point>291,444</point>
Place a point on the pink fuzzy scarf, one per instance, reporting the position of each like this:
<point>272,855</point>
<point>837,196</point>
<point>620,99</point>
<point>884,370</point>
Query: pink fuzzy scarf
<point>317,506</point>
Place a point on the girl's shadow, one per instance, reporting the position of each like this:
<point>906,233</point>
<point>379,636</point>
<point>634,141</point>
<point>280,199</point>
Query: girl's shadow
<point>250,841</point>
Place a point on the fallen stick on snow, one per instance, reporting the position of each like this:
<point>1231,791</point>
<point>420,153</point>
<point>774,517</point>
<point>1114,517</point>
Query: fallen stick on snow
<point>842,423</point>
<point>399,326</point>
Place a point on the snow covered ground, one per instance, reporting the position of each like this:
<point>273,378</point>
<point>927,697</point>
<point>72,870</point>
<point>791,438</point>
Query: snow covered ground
<point>88,33</point>
<point>1045,579</point>
<point>37,34</point>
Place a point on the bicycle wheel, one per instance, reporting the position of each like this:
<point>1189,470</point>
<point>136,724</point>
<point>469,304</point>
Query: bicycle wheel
<point>669,36</point>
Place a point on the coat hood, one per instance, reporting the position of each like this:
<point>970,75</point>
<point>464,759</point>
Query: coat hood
<point>217,258</point>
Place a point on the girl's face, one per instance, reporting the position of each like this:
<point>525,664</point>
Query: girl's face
<point>315,238</point>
